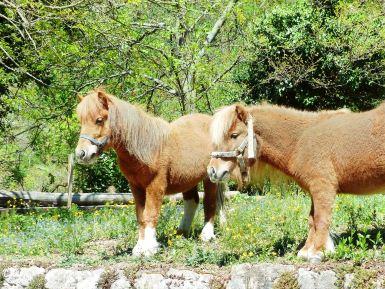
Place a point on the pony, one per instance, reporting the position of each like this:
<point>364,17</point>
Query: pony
<point>326,153</point>
<point>156,157</point>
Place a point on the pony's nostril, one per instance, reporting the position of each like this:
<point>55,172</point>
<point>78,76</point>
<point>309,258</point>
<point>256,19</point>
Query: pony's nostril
<point>81,154</point>
<point>92,155</point>
<point>212,171</point>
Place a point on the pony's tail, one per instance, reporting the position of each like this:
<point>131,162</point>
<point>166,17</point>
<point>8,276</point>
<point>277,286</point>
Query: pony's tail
<point>221,198</point>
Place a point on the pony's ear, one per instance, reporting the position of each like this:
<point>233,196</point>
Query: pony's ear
<point>241,112</point>
<point>104,99</point>
<point>80,97</point>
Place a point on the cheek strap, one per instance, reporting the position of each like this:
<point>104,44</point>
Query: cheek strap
<point>250,142</point>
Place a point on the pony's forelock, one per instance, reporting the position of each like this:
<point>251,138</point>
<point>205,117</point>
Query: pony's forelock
<point>90,106</point>
<point>221,124</point>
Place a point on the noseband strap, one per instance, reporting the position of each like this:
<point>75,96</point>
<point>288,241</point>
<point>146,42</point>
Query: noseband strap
<point>99,144</point>
<point>249,142</point>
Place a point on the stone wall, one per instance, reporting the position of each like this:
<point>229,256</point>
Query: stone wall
<point>244,276</point>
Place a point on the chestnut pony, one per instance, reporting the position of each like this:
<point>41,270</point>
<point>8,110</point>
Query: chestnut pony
<point>326,153</point>
<point>156,157</point>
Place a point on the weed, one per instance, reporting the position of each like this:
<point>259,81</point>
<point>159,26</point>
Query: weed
<point>37,283</point>
<point>108,277</point>
<point>287,280</point>
<point>364,279</point>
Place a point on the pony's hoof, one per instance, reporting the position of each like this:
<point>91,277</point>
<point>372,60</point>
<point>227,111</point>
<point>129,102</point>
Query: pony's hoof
<point>145,249</point>
<point>207,233</point>
<point>315,260</point>
<point>207,238</point>
<point>303,253</point>
<point>315,257</point>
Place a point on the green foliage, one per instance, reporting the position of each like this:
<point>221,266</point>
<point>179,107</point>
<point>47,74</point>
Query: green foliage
<point>101,175</point>
<point>50,52</point>
<point>318,57</point>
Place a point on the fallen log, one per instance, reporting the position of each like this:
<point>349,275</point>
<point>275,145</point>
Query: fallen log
<point>20,198</point>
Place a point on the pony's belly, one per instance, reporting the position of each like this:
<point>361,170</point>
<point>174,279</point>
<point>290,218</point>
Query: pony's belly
<point>364,190</point>
<point>364,187</point>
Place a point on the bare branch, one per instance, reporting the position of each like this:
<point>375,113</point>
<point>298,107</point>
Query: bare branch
<point>217,26</point>
<point>162,84</point>
<point>64,7</point>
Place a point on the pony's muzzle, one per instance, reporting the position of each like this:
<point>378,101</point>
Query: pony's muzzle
<point>86,155</point>
<point>217,176</point>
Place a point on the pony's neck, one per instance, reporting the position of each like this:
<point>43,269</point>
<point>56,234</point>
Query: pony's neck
<point>133,130</point>
<point>279,130</point>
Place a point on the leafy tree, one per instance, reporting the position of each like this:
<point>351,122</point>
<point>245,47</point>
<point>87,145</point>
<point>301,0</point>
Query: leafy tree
<point>313,56</point>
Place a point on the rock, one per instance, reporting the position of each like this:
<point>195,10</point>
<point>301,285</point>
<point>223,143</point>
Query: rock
<point>150,281</point>
<point>348,279</point>
<point>72,279</point>
<point>189,275</point>
<point>260,276</point>
<point>121,282</point>
<point>312,280</point>
<point>380,284</point>
<point>174,279</point>
<point>16,278</point>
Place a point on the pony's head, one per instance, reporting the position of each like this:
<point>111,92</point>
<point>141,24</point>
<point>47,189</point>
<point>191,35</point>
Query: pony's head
<point>234,139</point>
<point>95,130</point>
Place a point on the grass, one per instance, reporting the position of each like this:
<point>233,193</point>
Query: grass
<point>268,229</point>
<point>37,283</point>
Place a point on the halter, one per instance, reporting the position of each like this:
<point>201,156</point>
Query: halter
<point>99,144</point>
<point>249,142</point>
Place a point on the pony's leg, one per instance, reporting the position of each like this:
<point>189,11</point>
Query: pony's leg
<point>191,201</point>
<point>140,199</point>
<point>153,202</point>
<point>310,238</point>
<point>209,206</point>
<point>323,198</point>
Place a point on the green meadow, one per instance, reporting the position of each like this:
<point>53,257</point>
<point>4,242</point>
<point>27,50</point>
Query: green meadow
<point>269,228</point>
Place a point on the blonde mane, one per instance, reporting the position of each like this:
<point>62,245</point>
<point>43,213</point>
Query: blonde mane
<point>141,134</point>
<point>224,118</point>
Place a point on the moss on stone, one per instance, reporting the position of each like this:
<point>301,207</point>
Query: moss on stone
<point>364,279</point>
<point>108,277</point>
<point>38,282</point>
<point>287,280</point>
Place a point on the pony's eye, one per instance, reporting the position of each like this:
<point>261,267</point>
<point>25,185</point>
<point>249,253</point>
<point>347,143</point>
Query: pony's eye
<point>99,120</point>
<point>234,135</point>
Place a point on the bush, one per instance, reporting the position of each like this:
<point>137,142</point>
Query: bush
<point>313,56</point>
<point>101,175</point>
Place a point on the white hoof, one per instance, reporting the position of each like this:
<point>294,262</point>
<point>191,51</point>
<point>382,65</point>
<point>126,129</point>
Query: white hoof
<point>303,254</point>
<point>145,249</point>
<point>208,232</point>
<point>315,257</point>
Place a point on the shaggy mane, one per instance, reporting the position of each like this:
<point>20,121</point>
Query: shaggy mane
<point>224,118</point>
<point>142,134</point>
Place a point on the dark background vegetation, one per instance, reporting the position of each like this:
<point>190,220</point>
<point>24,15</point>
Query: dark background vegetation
<point>305,54</point>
